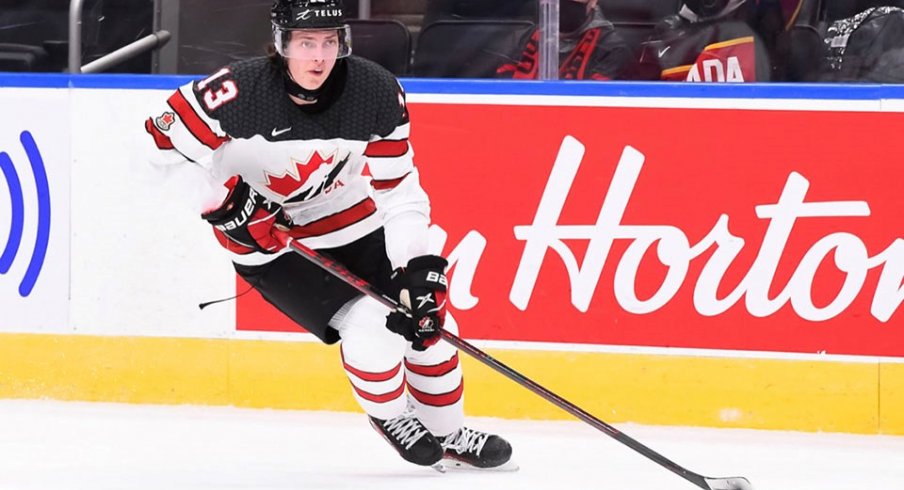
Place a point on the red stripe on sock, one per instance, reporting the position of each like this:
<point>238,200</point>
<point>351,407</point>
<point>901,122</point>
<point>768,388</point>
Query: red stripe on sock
<point>369,376</point>
<point>385,397</point>
<point>436,370</point>
<point>441,400</point>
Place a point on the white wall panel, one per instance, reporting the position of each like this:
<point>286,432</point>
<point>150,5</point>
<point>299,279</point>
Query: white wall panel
<point>34,140</point>
<point>142,259</point>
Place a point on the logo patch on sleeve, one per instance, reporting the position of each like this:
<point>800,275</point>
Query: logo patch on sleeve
<point>165,121</point>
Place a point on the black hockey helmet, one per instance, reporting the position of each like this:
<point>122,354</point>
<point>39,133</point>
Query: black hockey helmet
<point>287,16</point>
<point>706,8</point>
<point>308,14</point>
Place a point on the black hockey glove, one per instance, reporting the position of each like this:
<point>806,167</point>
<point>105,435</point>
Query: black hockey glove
<point>423,291</point>
<point>244,222</point>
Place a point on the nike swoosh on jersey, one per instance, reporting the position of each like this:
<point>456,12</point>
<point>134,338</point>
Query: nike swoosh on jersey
<point>276,132</point>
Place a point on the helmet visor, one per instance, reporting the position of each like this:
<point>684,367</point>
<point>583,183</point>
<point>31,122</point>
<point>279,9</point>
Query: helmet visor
<point>313,44</point>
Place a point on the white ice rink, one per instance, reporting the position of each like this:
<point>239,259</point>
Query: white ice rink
<point>60,446</point>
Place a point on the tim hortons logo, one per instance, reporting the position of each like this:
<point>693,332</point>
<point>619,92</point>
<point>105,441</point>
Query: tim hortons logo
<point>299,172</point>
<point>674,250</point>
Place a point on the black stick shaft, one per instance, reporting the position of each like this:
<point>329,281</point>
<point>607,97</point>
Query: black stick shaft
<point>364,287</point>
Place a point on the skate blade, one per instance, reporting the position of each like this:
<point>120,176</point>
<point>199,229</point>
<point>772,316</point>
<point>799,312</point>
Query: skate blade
<point>454,464</point>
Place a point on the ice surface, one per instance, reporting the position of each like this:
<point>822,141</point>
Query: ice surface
<point>61,446</point>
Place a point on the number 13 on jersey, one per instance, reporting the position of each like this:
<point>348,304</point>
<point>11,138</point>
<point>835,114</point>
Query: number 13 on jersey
<point>226,92</point>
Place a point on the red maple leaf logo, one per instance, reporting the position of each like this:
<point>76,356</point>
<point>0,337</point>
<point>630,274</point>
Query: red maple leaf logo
<point>165,120</point>
<point>292,179</point>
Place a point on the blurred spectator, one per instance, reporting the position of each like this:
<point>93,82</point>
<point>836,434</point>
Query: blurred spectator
<point>589,47</point>
<point>772,20</point>
<point>793,31</point>
<point>840,9</point>
<point>708,41</point>
<point>866,47</point>
<point>479,9</point>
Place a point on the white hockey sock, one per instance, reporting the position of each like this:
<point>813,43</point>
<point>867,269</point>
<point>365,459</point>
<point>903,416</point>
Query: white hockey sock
<point>372,357</point>
<point>434,379</point>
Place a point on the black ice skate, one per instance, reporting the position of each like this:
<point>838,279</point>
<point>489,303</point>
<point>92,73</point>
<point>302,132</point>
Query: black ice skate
<point>411,439</point>
<point>472,449</point>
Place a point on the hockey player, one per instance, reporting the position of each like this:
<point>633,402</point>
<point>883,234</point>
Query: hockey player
<point>293,136</point>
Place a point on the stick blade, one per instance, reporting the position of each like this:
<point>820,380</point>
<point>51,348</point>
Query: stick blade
<point>733,483</point>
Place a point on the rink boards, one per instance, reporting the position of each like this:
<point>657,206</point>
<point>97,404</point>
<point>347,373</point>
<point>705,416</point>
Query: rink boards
<point>663,254</point>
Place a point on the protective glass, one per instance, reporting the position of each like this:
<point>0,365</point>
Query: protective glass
<point>313,44</point>
<point>572,16</point>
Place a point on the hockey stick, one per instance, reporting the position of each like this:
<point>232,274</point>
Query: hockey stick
<point>338,270</point>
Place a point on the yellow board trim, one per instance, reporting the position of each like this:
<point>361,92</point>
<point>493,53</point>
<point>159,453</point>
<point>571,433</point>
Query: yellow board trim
<point>855,397</point>
<point>891,398</point>
<point>730,42</point>
<point>677,69</point>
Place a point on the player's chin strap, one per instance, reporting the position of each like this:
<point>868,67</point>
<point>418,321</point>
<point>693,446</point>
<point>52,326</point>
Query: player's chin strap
<point>343,274</point>
<point>326,93</point>
<point>296,90</point>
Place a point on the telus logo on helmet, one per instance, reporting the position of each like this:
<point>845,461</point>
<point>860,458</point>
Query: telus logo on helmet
<point>307,14</point>
<point>304,14</point>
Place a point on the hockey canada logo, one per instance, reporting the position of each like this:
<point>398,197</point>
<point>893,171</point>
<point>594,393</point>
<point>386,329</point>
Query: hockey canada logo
<point>165,121</point>
<point>17,206</point>
<point>299,173</point>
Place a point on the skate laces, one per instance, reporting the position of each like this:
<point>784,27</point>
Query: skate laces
<point>466,440</point>
<point>406,429</point>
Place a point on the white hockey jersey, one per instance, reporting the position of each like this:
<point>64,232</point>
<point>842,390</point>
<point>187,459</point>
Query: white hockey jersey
<point>340,172</point>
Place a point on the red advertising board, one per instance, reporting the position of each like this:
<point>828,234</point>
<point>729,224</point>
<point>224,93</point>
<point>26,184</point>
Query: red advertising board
<point>698,228</point>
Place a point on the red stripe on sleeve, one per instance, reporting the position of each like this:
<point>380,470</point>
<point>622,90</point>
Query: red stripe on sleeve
<point>198,128</point>
<point>441,400</point>
<point>387,148</point>
<point>435,370</point>
<point>161,140</point>
<point>383,185</point>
